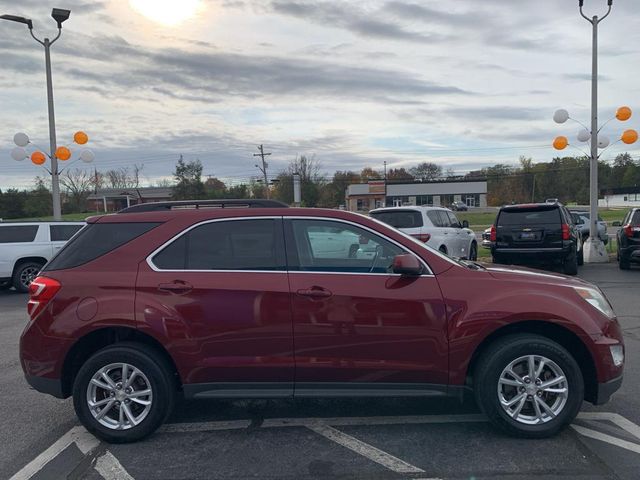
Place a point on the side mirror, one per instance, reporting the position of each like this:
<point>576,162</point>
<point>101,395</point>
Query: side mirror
<point>407,264</point>
<point>616,224</point>
<point>465,224</point>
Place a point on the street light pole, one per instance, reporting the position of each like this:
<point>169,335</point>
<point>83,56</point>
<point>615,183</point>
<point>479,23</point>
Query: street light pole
<point>60,16</point>
<point>55,176</point>
<point>594,250</point>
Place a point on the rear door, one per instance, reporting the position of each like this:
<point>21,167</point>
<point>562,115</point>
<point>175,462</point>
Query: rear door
<point>218,295</point>
<point>461,243</point>
<point>538,226</point>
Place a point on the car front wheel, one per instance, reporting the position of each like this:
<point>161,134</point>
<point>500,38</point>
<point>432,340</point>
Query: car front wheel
<point>123,393</point>
<point>529,386</point>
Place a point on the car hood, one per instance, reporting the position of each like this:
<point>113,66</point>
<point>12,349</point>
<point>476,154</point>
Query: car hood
<point>522,274</point>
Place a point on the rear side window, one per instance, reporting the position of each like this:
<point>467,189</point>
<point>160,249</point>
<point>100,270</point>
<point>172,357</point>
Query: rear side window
<point>62,233</point>
<point>18,233</point>
<point>529,217</point>
<point>226,245</point>
<point>636,218</point>
<point>96,240</point>
<point>400,218</point>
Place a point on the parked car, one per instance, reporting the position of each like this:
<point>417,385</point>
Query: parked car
<point>582,220</point>
<point>552,200</point>
<point>629,239</point>
<point>26,246</point>
<point>155,302</point>
<point>459,206</point>
<point>537,233</point>
<point>437,227</point>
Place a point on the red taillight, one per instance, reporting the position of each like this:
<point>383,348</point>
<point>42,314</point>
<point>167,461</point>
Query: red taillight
<point>423,237</point>
<point>493,236</point>
<point>41,291</point>
<point>630,230</point>
<point>566,234</point>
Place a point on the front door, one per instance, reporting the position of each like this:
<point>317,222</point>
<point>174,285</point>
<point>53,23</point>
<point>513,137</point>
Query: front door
<point>355,321</point>
<point>218,297</point>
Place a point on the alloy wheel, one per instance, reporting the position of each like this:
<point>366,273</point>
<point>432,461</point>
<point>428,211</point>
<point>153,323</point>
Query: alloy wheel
<point>533,390</point>
<point>119,396</point>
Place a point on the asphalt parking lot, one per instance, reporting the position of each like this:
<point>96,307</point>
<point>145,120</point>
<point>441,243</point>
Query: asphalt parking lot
<point>332,439</point>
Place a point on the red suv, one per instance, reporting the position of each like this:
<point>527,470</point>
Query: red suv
<point>264,301</point>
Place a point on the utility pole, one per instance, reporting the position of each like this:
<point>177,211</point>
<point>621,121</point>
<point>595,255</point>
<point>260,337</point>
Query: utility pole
<point>384,204</point>
<point>263,168</point>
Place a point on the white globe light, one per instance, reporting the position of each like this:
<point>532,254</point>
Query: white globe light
<point>584,135</point>
<point>21,139</point>
<point>87,156</point>
<point>19,154</point>
<point>561,116</point>
<point>603,142</point>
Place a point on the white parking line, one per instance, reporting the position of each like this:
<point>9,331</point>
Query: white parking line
<point>369,451</point>
<point>78,435</point>
<point>615,418</point>
<point>603,437</point>
<point>110,468</point>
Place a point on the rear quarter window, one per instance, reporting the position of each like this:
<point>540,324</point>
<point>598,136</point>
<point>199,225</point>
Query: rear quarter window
<point>635,220</point>
<point>18,233</point>
<point>529,217</point>
<point>400,218</point>
<point>96,240</point>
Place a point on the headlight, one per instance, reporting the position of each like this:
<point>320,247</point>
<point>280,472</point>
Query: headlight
<point>594,297</point>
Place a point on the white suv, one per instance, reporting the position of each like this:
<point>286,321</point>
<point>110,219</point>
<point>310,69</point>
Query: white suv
<point>26,246</point>
<point>437,227</point>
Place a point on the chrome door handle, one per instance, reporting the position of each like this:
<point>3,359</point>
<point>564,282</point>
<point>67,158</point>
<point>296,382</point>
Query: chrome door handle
<point>314,292</point>
<point>177,286</point>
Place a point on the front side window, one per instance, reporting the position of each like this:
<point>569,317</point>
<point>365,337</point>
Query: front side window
<point>226,245</point>
<point>18,233</point>
<point>329,246</point>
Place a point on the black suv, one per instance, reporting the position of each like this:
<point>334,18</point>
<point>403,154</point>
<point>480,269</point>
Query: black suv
<point>540,233</point>
<point>629,239</point>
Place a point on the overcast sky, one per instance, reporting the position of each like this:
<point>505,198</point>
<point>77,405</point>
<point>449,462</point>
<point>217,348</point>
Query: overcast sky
<point>462,83</point>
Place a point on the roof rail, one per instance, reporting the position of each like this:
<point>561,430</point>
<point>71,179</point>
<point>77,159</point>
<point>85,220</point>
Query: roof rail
<point>197,204</point>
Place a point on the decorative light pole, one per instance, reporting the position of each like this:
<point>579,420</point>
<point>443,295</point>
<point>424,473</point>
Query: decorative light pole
<point>60,16</point>
<point>594,250</point>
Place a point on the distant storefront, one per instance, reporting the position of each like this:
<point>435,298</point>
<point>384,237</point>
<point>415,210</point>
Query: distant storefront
<point>114,199</point>
<point>620,197</point>
<point>362,197</point>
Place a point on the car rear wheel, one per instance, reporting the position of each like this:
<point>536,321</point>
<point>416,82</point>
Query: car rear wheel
<point>473,252</point>
<point>623,263</point>
<point>24,275</point>
<point>581,256</point>
<point>528,386</point>
<point>570,264</point>
<point>123,393</point>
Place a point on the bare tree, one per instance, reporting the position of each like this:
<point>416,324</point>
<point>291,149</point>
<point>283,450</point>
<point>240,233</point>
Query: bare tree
<point>78,185</point>
<point>123,177</point>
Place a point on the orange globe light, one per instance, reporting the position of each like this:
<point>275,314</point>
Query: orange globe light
<point>629,137</point>
<point>623,114</point>
<point>63,153</point>
<point>560,143</point>
<point>38,158</point>
<point>80,138</point>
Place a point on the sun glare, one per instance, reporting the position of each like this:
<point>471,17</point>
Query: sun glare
<point>166,12</point>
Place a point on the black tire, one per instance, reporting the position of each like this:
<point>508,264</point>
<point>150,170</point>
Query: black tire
<point>24,274</point>
<point>623,263</point>
<point>473,251</point>
<point>443,249</point>
<point>581,257</point>
<point>570,264</point>
<point>497,259</point>
<point>506,350</point>
<point>154,368</point>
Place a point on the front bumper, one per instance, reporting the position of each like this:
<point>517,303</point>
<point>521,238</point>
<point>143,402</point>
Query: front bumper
<point>52,386</point>
<point>606,389</point>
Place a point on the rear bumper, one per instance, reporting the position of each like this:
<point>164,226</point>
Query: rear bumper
<point>632,253</point>
<point>606,389</point>
<point>52,386</point>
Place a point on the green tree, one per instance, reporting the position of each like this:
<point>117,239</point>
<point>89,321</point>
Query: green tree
<point>398,174</point>
<point>38,201</point>
<point>188,178</point>
<point>426,171</point>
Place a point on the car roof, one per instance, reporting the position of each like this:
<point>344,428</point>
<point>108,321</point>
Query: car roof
<point>418,208</point>
<point>525,206</point>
